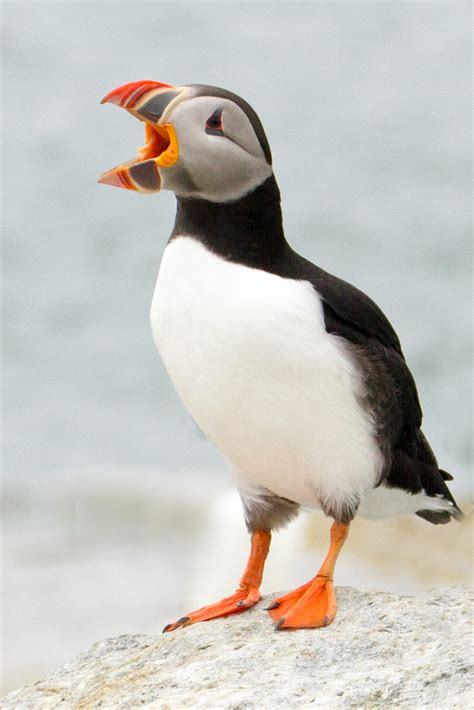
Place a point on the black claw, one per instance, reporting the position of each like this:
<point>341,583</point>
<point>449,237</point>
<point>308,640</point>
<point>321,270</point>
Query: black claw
<point>165,628</point>
<point>280,623</point>
<point>240,604</point>
<point>183,620</point>
<point>326,621</point>
<point>275,605</point>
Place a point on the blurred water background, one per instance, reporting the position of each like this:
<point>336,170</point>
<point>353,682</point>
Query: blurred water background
<point>110,492</point>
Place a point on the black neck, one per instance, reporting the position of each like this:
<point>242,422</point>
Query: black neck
<point>248,231</point>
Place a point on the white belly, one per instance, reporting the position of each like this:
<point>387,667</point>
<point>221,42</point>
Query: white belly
<point>249,355</point>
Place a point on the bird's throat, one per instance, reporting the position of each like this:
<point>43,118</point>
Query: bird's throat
<point>248,231</point>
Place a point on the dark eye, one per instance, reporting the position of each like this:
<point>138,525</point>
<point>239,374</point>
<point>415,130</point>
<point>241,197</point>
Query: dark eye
<point>214,123</point>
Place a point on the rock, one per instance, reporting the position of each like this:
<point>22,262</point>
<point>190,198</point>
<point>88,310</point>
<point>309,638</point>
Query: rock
<point>381,651</point>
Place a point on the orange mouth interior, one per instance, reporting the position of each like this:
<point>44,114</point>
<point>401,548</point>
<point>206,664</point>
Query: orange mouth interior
<point>157,141</point>
<point>161,146</point>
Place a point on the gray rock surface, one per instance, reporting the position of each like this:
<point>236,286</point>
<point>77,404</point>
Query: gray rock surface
<point>381,651</point>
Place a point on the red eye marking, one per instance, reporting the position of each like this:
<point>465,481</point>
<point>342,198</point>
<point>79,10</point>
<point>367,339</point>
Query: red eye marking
<point>214,123</point>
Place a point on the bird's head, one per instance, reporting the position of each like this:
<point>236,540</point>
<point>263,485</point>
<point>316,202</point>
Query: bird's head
<point>200,142</point>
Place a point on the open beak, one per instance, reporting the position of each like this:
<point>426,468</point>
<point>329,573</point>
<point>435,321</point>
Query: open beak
<point>148,101</point>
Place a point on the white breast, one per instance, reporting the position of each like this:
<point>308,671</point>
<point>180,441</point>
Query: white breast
<point>249,355</point>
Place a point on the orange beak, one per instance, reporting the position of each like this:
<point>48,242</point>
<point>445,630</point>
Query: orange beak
<point>148,101</point>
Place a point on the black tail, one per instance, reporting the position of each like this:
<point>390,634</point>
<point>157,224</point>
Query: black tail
<point>415,469</point>
<point>441,517</point>
<point>437,487</point>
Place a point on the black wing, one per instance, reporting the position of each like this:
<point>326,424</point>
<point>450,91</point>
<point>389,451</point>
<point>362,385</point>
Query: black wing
<point>392,394</point>
<point>354,312</point>
<point>352,315</point>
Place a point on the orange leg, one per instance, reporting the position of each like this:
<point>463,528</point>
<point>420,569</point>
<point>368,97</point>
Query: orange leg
<point>248,592</point>
<point>314,603</point>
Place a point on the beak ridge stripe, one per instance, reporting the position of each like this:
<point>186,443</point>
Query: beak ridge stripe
<point>128,94</point>
<point>117,178</point>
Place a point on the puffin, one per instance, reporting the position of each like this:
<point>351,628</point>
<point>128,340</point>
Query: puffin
<point>296,376</point>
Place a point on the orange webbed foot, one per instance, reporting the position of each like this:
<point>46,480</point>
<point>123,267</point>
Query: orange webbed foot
<point>246,595</point>
<point>281,606</point>
<point>307,607</point>
<point>240,601</point>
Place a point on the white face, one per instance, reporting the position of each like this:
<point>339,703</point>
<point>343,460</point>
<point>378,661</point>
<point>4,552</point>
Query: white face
<point>216,167</point>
